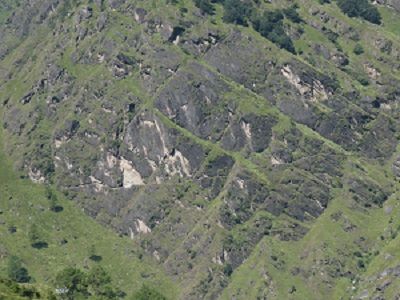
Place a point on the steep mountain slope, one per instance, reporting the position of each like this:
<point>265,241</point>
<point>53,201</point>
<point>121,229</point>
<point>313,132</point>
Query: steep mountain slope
<point>67,236</point>
<point>243,170</point>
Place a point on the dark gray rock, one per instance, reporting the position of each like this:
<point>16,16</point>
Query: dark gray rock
<point>363,295</point>
<point>396,165</point>
<point>241,59</point>
<point>193,101</point>
<point>101,21</point>
<point>261,131</point>
<point>396,271</point>
<point>71,126</point>
<point>27,97</point>
<point>26,20</point>
<point>281,153</point>
<point>234,138</point>
<point>115,3</point>
<point>219,166</point>
<point>384,285</point>
<point>391,3</point>
<point>140,15</point>
<point>99,3</point>
<point>298,111</point>
<point>84,13</point>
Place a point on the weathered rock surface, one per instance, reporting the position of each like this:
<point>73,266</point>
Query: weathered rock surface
<point>202,141</point>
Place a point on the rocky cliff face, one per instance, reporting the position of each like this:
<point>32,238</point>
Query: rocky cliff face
<point>203,141</point>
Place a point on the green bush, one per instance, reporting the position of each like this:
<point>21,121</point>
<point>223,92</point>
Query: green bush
<point>322,2</point>
<point>358,49</point>
<point>16,271</point>
<point>100,284</point>
<point>270,26</point>
<point>292,14</point>
<point>228,269</point>
<point>205,6</point>
<point>360,8</point>
<point>363,80</point>
<point>148,293</point>
<point>236,12</point>
<point>361,264</point>
<point>79,284</point>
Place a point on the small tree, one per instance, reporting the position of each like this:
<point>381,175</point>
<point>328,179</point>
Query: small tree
<point>228,269</point>
<point>205,6</point>
<point>148,293</point>
<point>73,281</point>
<point>16,271</point>
<point>12,228</point>
<point>362,79</point>
<point>33,234</point>
<point>358,49</point>
<point>100,284</point>
<point>360,8</point>
<point>322,2</point>
<point>292,14</point>
<point>236,12</point>
<point>93,254</point>
<point>270,26</point>
<point>35,238</point>
<point>48,192</point>
<point>53,202</point>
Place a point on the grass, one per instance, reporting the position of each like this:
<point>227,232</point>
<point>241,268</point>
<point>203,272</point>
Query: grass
<point>390,20</point>
<point>6,9</point>
<point>325,243</point>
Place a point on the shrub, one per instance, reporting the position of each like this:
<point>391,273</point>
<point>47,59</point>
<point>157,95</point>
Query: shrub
<point>236,12</point>
<point>322,2</point>
<point>228,269</point>
<point>16,271</point>
<point>360,8</point>
<point>361,264</point>
<point>363,80</point>
<point>358,49</point>
<point>148,293</point>
<point>12,228</point>
<point>205,6</point>
<point>332,36</point>
<point>270,26</point>
<point>73,281</point>
<point>292,14</point>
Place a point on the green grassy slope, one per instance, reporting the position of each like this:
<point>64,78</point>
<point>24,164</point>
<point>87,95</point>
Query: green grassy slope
<point>342,236</point>
<point>6,9</point>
